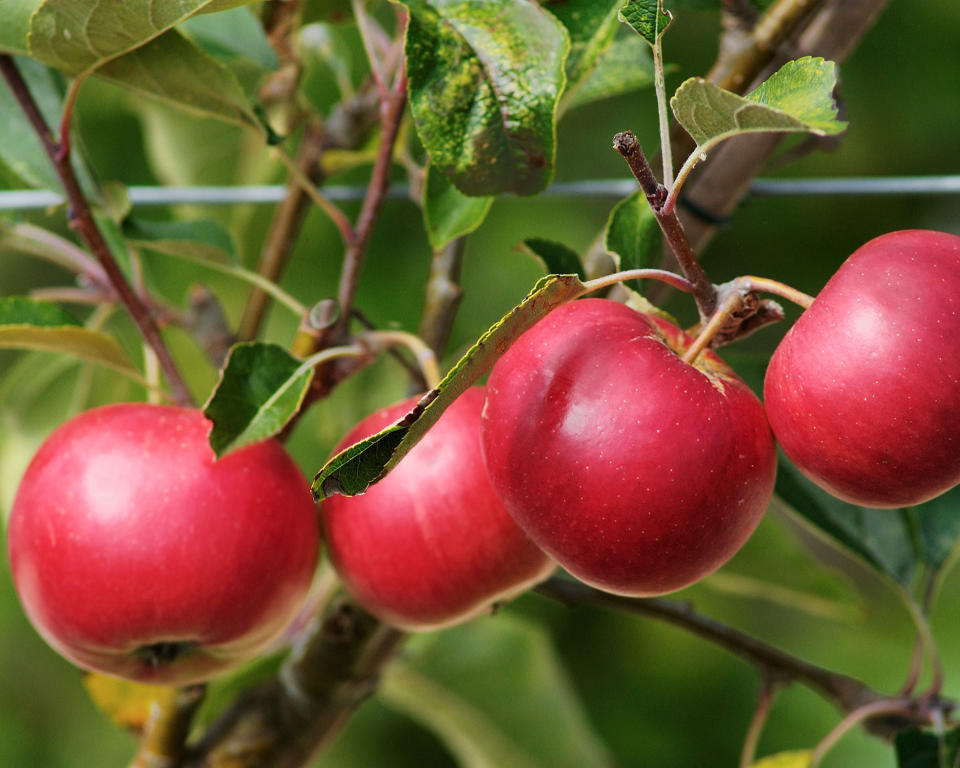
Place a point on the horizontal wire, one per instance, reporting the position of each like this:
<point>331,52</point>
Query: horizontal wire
<point>33,199</point>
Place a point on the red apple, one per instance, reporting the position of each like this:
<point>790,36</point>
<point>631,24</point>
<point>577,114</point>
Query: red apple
<point>430,545</point>
<point>863,393</point>
<point>637,472</point>
<point>136,554</point>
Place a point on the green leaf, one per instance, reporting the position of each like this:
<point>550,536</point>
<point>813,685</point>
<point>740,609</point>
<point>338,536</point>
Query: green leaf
<point>802,758</point>
<point>525,716</point>
<point>484,81</point>
<point>198,239</point>
<point>16,24</point>
<point>77,36</point>
<point>895,542</point>
<point>447,212</point>
<point>591,25</point>
<point>20,149</point>
<point>923,749</point>
<point>352,471</point>
<point>625,66</point>
<point>938,524</point>
<point>261,387</point>
<point>633,235</point>
<point>230,36</point>
<point>557,258</point>
<point>19,310</point>
<point>326,53</point>
<point>173,69</point>
<point>796,98</point>
<point>329,11</point>
<point>38,325</point>
<point>647,18</point>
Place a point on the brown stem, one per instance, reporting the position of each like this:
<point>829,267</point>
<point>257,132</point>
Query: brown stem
<point>443,295</point>
<point>738,68</point>
<point>716,189</point>
<point>166,730</point>
<point>846,691</point>
<point>704,292</point>
<point>82,222</point>
<point>287,222</point>
<point>310,337</point>
<point>66,119</point>
<point>391,112</point>
<point>287,721</point>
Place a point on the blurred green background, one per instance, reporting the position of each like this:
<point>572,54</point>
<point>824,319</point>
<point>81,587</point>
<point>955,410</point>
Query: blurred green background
<point>655,696</point>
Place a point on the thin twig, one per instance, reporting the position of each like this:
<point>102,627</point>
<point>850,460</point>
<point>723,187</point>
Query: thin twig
<point>704,291</point>
<point>82,221</point>
<point>846,691</point>
<point>391,114</point>
<point>337,216</point>
<point>768,692</point>
<point>443,295</point>
<point>66,118</point>
<point>286,225</point>
<point>368,29</point>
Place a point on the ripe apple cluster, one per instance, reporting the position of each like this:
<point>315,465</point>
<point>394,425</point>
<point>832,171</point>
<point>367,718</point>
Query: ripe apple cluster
<point>641,473</point>
<point>595,445</point>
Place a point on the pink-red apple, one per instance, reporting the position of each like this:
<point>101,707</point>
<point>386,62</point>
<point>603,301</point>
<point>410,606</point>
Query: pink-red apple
<point>136,554</point>
<point>863,393</point>
<point>430,545</point>
<point>636,471</point>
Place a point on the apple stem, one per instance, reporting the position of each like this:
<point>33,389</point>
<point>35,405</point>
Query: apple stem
<point>901,707</point>
<point>769,689</point>
<point>784,291</point>
<point>731,303</point>
<point>426,359</point>
<point>670,278</point>
<point>928,644</point>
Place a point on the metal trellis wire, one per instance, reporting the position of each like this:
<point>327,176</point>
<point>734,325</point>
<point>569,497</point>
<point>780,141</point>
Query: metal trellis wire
<point>33,199</point>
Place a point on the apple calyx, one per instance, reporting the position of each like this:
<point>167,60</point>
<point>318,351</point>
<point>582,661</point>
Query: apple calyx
<point>161,654</point>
